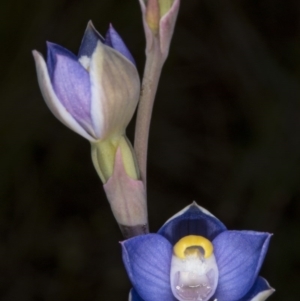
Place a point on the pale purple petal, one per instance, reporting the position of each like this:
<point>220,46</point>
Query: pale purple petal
<point>52,100</point>
<point>260,291</point>
<point>114,40</point>
<point>52,51</point>
<point>71,83</point>
<point>239,255</point>
<point>193,220</point>
<point>147,259</point>
<point>89,41</point>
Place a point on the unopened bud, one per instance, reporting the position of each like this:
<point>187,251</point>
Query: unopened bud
<point>164,6</point>
<point>159,18</point>
<point>153,15</point>
<point>127,198</point>
<point>104,153</point>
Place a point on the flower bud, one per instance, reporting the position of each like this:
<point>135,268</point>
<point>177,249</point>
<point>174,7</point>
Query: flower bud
<point>104,156</point>
<point>164,6</point>
<point>95,93</point>
<point>127,196</point>
<point>153,15</point>
<point>159,17</point>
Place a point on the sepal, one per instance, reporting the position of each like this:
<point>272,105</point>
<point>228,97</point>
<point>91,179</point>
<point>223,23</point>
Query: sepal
<point>159,18</point>
<point>260,291</point>
<point>89,41</point>
<point>126,194</point>
<point>52,101</point>
<point>192,220</point>
<point>239,255</point>
<point>114,40</point>
<point>115,89</point>
<point>134,296</point>
<point>147,259</point>
<point>71,83</point>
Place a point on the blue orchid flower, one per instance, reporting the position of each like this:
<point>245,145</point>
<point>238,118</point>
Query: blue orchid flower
<point>194,257</point>
<point>94,93</point>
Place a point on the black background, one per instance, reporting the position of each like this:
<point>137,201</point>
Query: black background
<point>225,132</point>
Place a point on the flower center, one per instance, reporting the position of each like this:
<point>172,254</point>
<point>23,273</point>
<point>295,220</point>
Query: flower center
<point>194,272</point>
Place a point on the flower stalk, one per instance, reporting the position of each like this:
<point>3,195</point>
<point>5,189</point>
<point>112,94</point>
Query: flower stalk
<point>153,67</point>
<point>159,18</point>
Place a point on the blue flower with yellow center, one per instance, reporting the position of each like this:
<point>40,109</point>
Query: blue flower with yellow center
<point>194,257</point>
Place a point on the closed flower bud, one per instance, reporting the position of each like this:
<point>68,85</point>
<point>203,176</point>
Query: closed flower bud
<point>127,197</point>
<point>159,17</point>
<point>94,93</point>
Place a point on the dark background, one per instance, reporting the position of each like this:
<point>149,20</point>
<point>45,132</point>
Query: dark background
<point>225,132</point>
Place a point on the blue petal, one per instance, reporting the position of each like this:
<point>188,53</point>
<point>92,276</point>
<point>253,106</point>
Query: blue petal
<point>89,41</point>
<point>52,51</point>
<point>260,291</point>
<point>134,296</point>
<point>71,83</point>
<point>114,40</point>
<point>193,220</point>
<point>147,259</point>
<point>239,256</point>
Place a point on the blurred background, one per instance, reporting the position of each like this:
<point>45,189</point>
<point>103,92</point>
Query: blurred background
<point>225,132</point>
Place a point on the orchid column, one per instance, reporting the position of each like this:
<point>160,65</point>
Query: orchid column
<point>95,94</point>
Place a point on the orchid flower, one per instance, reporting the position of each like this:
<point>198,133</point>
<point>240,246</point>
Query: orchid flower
<point>194,257</point>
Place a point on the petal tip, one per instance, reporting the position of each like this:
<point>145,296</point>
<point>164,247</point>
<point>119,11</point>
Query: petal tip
<point>89,41</point>
<point>91,28</point>
<point>51,45</point>
<point>192,220</point>
<point>36,54</point>
<point>90,24</point>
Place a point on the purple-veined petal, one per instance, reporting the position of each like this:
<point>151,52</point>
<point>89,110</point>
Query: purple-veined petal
<point>52,51</point>
<point>71,83</point>
<point>147,259</point>
<point>134,296</point>
<point>192,220</point>
<point>239,256</point>
<point>114,40</point>
<point>51,99</point>
<point>89,41</point>
<point>115,88</point>
<point>260,291</point>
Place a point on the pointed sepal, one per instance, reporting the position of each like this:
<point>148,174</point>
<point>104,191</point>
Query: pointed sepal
<point>192,220</point>
<point>127,197</point>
